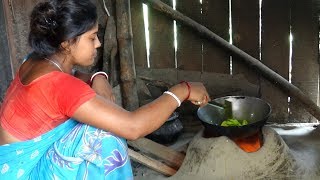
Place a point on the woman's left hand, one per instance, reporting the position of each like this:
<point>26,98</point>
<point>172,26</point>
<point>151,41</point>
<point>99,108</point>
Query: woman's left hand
<point>100,84</point>
<point>102,87</point>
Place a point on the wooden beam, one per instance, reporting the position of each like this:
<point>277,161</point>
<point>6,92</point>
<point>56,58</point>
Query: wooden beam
<point>252,62</point>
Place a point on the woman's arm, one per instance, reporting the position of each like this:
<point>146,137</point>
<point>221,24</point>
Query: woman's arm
<point>108,116</point>
<point>100,84</point>
<point>82,75</point>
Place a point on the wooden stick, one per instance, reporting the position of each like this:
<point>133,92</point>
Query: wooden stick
<point>151,163</point>
<point>170,156</point>
<point>252,62</point>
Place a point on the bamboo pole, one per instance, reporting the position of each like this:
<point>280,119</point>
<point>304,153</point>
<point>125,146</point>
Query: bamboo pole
<point>252,62</point>
<point>127,71</point>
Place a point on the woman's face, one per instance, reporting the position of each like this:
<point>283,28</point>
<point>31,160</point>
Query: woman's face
<point>85,49</point>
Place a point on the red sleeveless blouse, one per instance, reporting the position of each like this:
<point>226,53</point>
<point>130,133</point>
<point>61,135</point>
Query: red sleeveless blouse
<point>31,110</point>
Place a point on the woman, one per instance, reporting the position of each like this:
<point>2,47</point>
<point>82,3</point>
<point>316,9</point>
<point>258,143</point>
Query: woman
<point>53,125</point>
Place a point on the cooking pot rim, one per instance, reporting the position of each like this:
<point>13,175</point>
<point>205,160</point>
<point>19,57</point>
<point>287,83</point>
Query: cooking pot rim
<point>238,97</point>
<point>215,130</point>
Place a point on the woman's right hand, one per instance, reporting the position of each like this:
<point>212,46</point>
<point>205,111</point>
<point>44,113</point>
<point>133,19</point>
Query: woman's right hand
<point>198,93</point>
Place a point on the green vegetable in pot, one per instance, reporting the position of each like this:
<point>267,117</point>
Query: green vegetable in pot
<point>234,122</point>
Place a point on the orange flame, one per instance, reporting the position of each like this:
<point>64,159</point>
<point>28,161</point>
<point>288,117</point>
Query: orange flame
<point>250,144</point>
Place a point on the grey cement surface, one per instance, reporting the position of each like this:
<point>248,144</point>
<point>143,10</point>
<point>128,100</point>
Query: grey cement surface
<point>291,151</point>
<point>304,144</point>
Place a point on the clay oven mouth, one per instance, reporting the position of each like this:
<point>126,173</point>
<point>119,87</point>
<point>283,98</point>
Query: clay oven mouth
<point>251,143</point>
<point>248,144</point>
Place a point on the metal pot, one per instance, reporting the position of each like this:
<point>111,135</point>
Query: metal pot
<point>254,110</point>
<point>169,132</point>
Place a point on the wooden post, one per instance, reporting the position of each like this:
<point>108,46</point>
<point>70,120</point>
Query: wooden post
<point>127,70</point>
<point>110,45</point>
<point>252,62</point>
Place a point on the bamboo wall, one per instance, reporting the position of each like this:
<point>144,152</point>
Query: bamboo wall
<point>268,43</point>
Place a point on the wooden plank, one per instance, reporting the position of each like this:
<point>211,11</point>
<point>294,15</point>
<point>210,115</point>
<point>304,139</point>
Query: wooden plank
<point>216,18</point>
<point>171,157</point>
<point>161,39</point>
<point>151,163</point>
<point>189,52</point>
<point>245,29</point>
<point>139,39</point>
<point>217,84</point>
<point>305,65</point>
<point>6,71</point>
<point>275,54</point>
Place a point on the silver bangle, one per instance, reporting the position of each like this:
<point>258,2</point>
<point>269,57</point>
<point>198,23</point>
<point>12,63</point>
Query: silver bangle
<point>99,73</point>
<point>174,96</point>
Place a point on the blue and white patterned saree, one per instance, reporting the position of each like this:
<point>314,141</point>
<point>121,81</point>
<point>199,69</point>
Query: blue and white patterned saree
<point>70,151</point>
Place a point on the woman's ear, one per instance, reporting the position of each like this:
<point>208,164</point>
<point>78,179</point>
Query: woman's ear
<point>65,45</point>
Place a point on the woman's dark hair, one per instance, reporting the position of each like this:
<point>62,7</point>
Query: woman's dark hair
<point>55,21</point>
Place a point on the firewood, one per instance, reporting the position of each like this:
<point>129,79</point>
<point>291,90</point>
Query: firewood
<point>151,163</point>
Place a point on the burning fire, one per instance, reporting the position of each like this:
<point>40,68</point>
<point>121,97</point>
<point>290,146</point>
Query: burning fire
<point>250,144</point>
